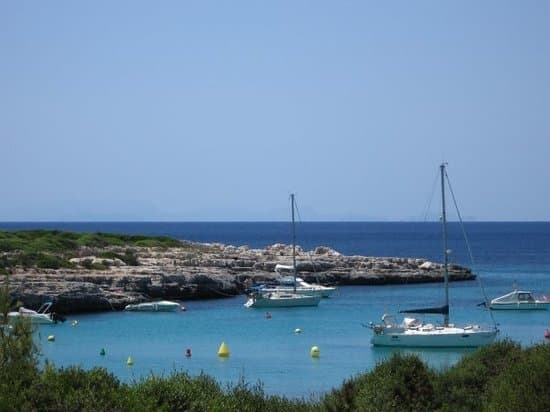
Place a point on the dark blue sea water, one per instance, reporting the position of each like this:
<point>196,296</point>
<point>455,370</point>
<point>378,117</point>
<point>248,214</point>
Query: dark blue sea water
<point>268,350</point>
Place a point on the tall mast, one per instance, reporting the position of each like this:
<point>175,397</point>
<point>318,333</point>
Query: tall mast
<point>445,256</point>
<point>293,241</point>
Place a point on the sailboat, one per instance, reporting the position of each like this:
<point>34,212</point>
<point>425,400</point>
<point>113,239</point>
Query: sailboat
<point>412,332</point>
<point>283,298</point>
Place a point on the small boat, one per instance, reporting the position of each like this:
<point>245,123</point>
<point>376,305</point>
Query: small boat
<point>42,316</point>
<point>519,300</point>
<point>291,297</point>
<point>280,300</point>
<point>158,306</point>
<point>293,284</point>
<point>412,332</point>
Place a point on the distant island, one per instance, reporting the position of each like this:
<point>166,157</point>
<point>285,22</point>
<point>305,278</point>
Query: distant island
<point>86,272</point>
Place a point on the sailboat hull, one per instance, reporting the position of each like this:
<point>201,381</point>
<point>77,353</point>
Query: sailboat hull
<point>281,300</point>
<point>436,338</point>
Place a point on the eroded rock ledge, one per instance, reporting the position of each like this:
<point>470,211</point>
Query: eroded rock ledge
<point>205,271</point>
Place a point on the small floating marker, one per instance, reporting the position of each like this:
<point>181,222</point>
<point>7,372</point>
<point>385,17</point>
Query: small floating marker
<point>102,352</point>
<point>51,338</point>
<point>130,361</point>
<point>547,334</point>
<point>187,353</point>
<point>314,352</point>
<point>74,323</point>
<point>183,308</point>
<point>297,330</point>
<point>223,351</point>
<point>268,315</point>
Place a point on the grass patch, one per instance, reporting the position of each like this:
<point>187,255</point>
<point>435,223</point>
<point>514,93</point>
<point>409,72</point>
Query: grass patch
<point>52,249</point>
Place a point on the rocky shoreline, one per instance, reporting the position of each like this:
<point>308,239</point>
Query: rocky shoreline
<point>205,271</point>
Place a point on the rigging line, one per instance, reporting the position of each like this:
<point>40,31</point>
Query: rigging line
<point>301,221</point>
<point>297,210</point>
<point>486,299</point>
<point>429,205</point>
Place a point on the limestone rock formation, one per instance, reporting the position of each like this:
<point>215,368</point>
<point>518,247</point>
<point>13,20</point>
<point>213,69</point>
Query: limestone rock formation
<point>205,271</point>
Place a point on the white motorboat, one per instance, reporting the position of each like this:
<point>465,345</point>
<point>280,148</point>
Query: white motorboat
<point>412,332</point>
<point>42,316</point>
<point>519,300</point>
<point>158,306</point>
<point>291,284</point>
<point>280,300</point>
<point>292,297</point>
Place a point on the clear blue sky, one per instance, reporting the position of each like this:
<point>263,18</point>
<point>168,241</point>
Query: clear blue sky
<point>217,110</point>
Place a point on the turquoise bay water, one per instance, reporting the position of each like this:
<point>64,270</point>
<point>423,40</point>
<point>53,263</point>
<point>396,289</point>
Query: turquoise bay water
<point>268,350</point>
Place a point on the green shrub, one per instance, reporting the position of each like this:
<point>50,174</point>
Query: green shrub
<point>47,261</point>
<point>403,383</point>
<point>130,258</point>
<point>75,389</point>
<point>464,386</point>
<point>524,385</point>
<point>18,363</point>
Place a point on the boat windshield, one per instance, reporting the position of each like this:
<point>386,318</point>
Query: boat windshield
<point>526,297</point>
<point>44,308</point>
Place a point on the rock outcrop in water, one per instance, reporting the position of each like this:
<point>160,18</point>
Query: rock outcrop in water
<point>205,271</point>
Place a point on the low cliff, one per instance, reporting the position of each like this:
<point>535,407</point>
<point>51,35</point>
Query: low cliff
<point>201,271</point>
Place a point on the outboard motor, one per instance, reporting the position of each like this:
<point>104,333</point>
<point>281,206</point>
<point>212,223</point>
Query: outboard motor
<point>58,318</point>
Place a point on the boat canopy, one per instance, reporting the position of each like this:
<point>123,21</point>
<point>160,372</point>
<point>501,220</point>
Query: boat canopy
<point>444,310</point>
<point>515,296</point>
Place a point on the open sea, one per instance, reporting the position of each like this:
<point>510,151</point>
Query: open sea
<point>268,350</point>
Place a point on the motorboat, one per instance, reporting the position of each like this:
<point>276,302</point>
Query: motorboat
<point>280,300</point>
<point>157,306</point>
<point>291,284</point>
<point>42,316</point>
<point>519,300</point>
<point>413,332</point>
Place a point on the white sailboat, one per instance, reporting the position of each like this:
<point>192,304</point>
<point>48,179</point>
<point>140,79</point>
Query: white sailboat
<point>412,332</point>
<point>284,298</point>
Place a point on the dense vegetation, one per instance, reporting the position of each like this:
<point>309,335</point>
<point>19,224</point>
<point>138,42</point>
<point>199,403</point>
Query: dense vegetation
<point>53,249</point>
<point>500,377</point>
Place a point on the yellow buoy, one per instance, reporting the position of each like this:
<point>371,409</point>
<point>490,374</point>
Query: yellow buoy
<point>51,338</point>
<point>223,351</point>
<point>130,361</point>
<point>314,352</point>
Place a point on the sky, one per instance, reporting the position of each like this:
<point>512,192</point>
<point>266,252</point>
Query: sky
<point>218,110</point>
